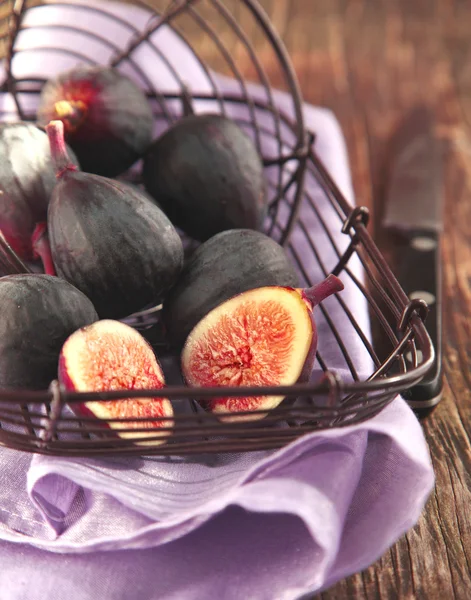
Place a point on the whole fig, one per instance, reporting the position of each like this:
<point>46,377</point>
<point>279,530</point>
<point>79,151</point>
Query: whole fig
<point>206,174</point>
<point>39,312</point>
<point>27,178</point>
<point>227,264</point>
<point>109,240</point>
<point>107,118</point>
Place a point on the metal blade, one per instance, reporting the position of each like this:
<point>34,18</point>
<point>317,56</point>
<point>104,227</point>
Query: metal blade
<point>414,194</point>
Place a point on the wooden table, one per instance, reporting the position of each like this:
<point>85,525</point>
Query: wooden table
<point>369,61</point>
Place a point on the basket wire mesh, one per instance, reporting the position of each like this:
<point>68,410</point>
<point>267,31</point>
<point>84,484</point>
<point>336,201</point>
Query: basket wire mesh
<point>219,36</point>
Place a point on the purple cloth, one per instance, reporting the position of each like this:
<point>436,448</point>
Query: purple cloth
<point>258,525</point>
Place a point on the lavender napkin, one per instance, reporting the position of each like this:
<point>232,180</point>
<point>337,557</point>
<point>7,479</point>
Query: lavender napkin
<point>260,525</point>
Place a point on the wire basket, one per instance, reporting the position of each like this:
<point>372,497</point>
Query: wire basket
<point>218,34</point>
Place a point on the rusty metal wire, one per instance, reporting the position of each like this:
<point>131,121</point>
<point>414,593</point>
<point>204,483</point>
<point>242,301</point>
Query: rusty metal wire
<point>400,351</point>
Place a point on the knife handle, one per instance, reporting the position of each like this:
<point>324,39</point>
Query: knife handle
<point>419,274</point>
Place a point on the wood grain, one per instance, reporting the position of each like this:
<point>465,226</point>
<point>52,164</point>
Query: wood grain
<point>370,61</point>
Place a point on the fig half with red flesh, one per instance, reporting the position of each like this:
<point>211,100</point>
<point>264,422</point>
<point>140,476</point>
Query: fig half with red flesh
<point>262,337</point>
<point>108,356</point>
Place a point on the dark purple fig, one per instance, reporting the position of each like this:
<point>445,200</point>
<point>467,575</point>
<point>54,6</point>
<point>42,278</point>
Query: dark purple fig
<point>27,178</point>
<point>108,356</point>
<point>39,313</point>
<point>263,337</point>
<point>109,240</point>
<point>42,248</point>
<point>107,118</point>
<point>207,176</point>
<point>229,263</point>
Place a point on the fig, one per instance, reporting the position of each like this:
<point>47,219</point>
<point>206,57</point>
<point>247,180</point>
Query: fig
<point>42,247</point>
<point>109,240</point>
<point>27,178</point>
<point>107,118</point>
<point>227,264</point>
<point>109,355</point>
<point>39,312</point>
<point>263,337</point>
<point>207,176</point>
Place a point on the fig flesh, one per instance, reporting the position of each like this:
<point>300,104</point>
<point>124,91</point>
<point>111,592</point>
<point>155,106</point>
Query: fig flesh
<point>228,264</point>
<point>263,337</point>
<point>107,118</point>
<point>207,176</point>
<point>39,312</point>
<point>107,356</point>
<point>109,240</point>
<point>27,178</point>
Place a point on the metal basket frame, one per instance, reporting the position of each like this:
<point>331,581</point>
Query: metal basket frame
<point>36,421</point>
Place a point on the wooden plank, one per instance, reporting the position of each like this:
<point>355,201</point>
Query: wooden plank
<point>369,61</point>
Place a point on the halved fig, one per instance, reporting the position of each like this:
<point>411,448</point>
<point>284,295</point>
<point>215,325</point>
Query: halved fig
<point>262,337</point>
<point>110,355</point>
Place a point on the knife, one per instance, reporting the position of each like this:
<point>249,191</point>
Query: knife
<point>414,212</point>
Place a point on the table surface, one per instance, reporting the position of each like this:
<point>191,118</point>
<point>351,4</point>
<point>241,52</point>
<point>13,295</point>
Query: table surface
<point>370,61</point>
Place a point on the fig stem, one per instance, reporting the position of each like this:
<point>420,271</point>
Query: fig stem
<point>319,292</point>
<point>60,157</point>
<point>42,248</point>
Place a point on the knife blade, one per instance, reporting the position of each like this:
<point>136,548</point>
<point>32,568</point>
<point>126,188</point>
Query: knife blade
<point>413,212</point>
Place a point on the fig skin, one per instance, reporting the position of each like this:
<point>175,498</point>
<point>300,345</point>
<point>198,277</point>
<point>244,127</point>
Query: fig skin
<point>228,264</point>
<point>108,356</point>
<point>263,337</point>
<point>207,176</point>
<point>42,248</point>
<point>27,178</point>
<point>109,240</point>
<point>39,312</point>
<point>107,118</point>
